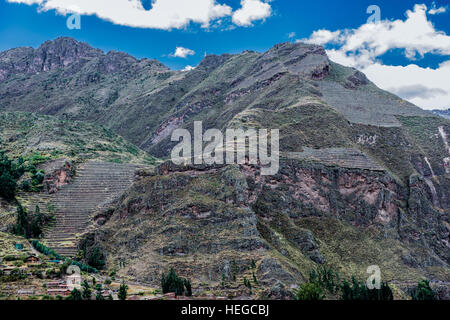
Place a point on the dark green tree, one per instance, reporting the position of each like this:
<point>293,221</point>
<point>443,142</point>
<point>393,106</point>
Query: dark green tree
<point>423,291</point>
<point>187,285</point>
<point>8,176</point>
<point>122,295</point>
<point>172,283</point>
<point>75,295</point>
<point>37,223</point>
<point>99,296</point>
<point>21,227</point>
<point>254,278</point>
<point>96,258</point>
<point>87,292</point>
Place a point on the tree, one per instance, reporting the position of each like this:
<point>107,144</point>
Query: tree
<point>188,287</point>
<point>254,278</point>
<point>99,296</point>
<point>172,283</point>
<point>8,176</point>
<point>21,221</point>
<point>37,223</point>
<point>7,185</point>
<point>423,291</point>
<point>75,294</point>
<point>96,258</point>
<point>122,295</point>
<point>359,291</point>
<point>87,293</point>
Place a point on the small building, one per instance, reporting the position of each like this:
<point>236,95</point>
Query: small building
<point>58,292</point>
<point>32,259</point>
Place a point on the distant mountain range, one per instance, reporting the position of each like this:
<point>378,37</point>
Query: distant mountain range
<point>442,113</point>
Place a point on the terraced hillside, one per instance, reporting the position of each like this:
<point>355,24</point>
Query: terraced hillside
<point>343,157</point>
<point>95,185</point>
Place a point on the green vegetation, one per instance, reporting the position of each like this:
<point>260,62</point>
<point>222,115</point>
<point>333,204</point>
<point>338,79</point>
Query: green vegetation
<point>62,139</point>
<point>359,291</point>
<point>49,252</point>
<point>324,280</point>
<point>248,284</point>
<point>99,295</point>
<point>15,275</point>
<point>310,291</point>
<point>173,283</point>
<point>87,292</point>
<point>30,226</point>
<point>92,256</point>
<point>423,291</point>
<point>9,173</point>
<point>75,295</point>
<point>122,295</point>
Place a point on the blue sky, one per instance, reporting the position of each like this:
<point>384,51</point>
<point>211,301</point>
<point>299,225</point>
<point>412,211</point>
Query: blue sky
<point>231,27</point>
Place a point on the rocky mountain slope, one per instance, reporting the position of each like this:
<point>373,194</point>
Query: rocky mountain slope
<point>364,178</point>
<point>85,166</point>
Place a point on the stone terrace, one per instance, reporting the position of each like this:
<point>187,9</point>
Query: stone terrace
<point>343,157</point>
<point>95,185</point>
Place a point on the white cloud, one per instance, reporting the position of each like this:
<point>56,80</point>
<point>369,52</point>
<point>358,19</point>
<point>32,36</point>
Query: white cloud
<point>188,68</point>
<point>164,14</point>
<point>362,48</point>
<point>181,52</point>
<point>251,10</point>
<point>292,35</point>
<point>432,88</point>
<point>436,10</point>
<point>322,36</point>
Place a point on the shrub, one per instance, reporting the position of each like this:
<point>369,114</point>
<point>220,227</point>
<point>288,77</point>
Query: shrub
<point>326,278</point>
<point>122,295</point>
<point>310,291</point>
<point>423,291</point>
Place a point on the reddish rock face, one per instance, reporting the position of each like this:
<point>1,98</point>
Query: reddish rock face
<point>58,174</point>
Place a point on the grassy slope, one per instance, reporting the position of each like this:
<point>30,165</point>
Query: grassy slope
<point>25,134</point>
